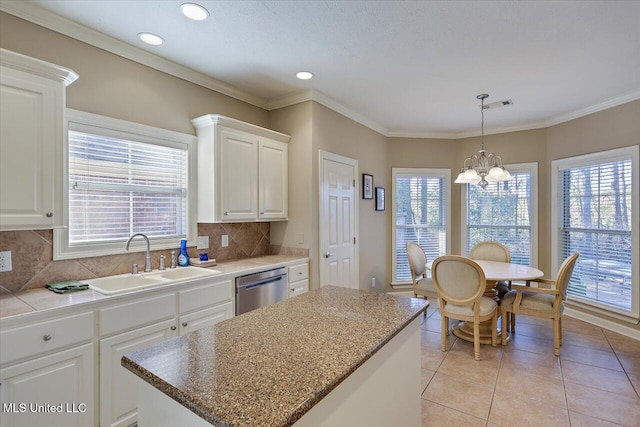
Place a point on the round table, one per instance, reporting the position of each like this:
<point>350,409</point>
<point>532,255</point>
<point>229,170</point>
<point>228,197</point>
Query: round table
<point>495,271</point>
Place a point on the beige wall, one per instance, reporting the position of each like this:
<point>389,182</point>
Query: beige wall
<point>337,134</point>
<point>297,232</point>
<point>116,87</point>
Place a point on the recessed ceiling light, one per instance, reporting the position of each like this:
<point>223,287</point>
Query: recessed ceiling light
<point>194,11</point>
<point>304,75</point>
<point>151,39</point>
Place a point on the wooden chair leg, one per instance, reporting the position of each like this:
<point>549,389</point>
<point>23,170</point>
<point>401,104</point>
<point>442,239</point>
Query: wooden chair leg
<point>560,322</point>
<point>476,339</point>
<point>513,323</point>
<point>556,336</point>
<point>494,329</point>
<point>505,325</point>
<point>444,333</point>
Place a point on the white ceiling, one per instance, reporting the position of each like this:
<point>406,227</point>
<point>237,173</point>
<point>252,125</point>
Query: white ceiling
<point>404,68</point>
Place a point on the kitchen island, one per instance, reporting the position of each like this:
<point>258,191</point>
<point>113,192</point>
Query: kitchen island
<point>332,356</point>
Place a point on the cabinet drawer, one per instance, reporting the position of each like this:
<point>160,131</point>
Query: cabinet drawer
<point>44,337</point>
<point>207,317</point>
<point>137,313</point>
<point>298,288</point>
<point>298,272</point>
<point>203,296</point>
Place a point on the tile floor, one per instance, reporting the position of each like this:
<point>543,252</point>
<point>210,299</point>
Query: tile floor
<point>594,382</point>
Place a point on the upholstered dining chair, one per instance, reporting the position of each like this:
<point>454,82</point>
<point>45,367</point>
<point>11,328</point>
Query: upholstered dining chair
<point>460,283</point>
<point>422,285</point>
<point>547,302</point>
<point>490,250</point>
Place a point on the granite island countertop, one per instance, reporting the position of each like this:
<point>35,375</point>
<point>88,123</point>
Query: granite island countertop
<point>270,366</point>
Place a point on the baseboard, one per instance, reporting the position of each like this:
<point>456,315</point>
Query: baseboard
<point>603,323</point>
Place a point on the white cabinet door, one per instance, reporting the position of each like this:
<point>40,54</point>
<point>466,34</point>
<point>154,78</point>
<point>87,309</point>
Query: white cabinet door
<point>238,186</point>
<point>207,317</point>
<point>64,378</point>
<point>118,386</point>
<point>27,149</point>
<point>273,179</point>
<point>32,102</point>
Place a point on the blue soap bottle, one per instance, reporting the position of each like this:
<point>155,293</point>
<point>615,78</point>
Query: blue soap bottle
<point>183,258</point>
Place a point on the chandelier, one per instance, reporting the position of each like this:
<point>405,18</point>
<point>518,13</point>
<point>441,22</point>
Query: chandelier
<point>483,167</point>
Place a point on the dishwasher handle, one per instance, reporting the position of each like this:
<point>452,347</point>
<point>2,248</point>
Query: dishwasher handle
<point>260,283</point>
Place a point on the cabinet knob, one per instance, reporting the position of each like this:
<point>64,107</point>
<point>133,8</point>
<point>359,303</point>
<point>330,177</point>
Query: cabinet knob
<point>49,214</point>
<point>226,213</point>
<point>299,273</point>
<point>173,328</point>
<point>261,213</point>
<point>184,324</point>
<point>47,337</point>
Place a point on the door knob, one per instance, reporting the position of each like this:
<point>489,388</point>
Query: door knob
<point>328,254</point>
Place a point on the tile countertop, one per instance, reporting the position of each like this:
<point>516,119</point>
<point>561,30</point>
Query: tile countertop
<point>270,366</point>
<point>40,299</point>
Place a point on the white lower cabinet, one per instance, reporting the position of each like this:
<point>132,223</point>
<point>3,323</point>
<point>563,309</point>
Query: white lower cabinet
<point>60,382</point>
<point>207,317</point>
<point>298,279</point>
<point>118,386</point>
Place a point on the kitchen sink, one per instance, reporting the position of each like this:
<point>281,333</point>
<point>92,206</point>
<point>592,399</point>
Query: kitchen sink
<point>112,285</point>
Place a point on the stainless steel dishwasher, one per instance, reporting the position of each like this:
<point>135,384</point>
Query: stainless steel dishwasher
<point>260,289</point>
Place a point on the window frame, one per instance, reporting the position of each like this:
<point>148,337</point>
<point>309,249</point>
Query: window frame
<point>532,168</point>
<point>431,172</point>
<point>107,126</point>
<point>618,154</point>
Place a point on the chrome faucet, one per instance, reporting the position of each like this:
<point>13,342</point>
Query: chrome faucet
<point>147,258</point>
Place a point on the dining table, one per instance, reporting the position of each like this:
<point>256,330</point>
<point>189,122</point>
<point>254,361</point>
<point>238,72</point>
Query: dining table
<point>494,271</point>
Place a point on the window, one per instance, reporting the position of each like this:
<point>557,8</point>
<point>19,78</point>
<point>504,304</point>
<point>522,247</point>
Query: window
<point>420,213</point>
<point>122,178</point>
<point>596,206</point>
<point>505,212</point>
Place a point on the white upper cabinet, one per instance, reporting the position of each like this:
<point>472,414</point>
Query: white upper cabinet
<point>242,171</point>
<point>32,103</point>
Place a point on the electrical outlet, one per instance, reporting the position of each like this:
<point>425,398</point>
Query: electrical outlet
<point>5,261</point>
<point>373,282</point>
<point>203,242</point>
<point>225,240</point>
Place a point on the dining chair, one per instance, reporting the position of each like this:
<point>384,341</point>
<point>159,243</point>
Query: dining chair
<point>460,283</point>
<point>547,302</point>
<point>422,285</point>
<point>490,250</point>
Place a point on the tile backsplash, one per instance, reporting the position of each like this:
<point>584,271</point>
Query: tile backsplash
<point>33,265</point>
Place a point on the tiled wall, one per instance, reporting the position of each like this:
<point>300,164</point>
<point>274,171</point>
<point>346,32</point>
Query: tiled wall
<point>33,265</point>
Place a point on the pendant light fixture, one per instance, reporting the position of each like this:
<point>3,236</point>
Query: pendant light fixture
<point>483,167</point>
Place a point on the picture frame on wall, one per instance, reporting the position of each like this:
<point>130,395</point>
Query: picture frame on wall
<point>379,198</point>
<point>367,186</point>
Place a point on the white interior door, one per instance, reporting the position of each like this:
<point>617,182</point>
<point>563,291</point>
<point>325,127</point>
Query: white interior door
<point>338,215</point>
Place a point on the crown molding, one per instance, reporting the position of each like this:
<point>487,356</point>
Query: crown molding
<point>36,66</point>
<point>330,103</point>
<point>59,24</point>
<point>613,102</point>
<point>292,99</point>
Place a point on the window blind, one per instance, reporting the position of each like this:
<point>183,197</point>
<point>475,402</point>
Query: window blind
<point>596,219</point>
<point>502,212</point>
<point>420,217</point>
<point>119,187</point>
